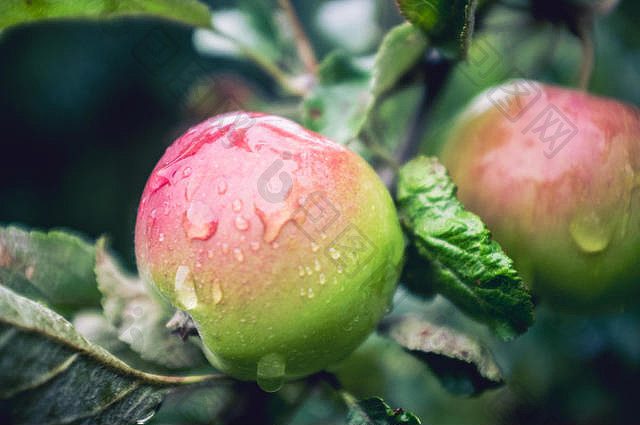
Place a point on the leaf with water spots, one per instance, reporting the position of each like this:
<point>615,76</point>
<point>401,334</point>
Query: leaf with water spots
<point>463,364</point>
<point>50,374</point>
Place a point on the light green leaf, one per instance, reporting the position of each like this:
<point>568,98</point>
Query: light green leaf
<point>140,316</point>
<point>190,12</point>
<point>49,374</point>
<point>460,259</point>
<point>337,107</point>
<point>343,103</point>
<point>463,364</point>
<point>374,411</point>
<point>400,50</point>
<point>55,267</point>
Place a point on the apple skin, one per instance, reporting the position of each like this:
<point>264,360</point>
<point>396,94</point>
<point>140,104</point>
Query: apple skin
<point>569,217</point>
<point>231,228</point>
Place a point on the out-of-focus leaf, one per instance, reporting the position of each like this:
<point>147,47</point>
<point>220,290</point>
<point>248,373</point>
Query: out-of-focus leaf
<point>49,374</point>
<point>375,411</point>
<point>250,31</point>
<point>190,12</point>
<point>400,50</point>
<point>140,317</point>
<point>338,106</point>
<point>463,365</point>
<point>342,103</point>
<point>447,22</point>
<point>390,123</point>
<point>240,27</point>
<point>462,262</point>
<point>55,268</point>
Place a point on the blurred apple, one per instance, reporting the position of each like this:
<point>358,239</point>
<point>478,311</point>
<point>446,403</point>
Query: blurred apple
<point>555,174</point>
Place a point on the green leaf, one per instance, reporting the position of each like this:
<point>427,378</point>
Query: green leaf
<point>342,105</point>
<point>49,374</point>
<point>338,105</point>
<point>447,22</point>
<point>374,411</point>
<point>463,365</point>
<point>400,50</point>
<point>140,316</point>
<point>461,260</point>
<point>55,268</point>
<point>190,12</point>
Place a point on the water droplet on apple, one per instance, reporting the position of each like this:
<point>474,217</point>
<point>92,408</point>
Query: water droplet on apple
<point>334,254</point>
<point>322,279</point>
<point>241,223</point>
<point>317,265</point>
<point>308,270</point>
<point>314,247</point>
<point>301,271</point>
<point>255,245</point>
<point>270,372</point>
<point>590,232</point>
<point>225,248</point>
<point>200,222</point>
<point>237,205</point>
<point>217,291</point>
<point>184,289</point>
<point>186,172</point>
<point>222,187</point>
<point>310,293</point>
<point>161,237</point>
<point>239,256</point>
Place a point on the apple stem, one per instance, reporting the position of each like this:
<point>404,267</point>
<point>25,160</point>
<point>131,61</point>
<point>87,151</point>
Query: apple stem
<point>305,50</point>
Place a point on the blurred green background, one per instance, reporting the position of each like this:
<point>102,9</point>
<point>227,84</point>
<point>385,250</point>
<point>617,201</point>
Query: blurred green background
<point>86,112</point>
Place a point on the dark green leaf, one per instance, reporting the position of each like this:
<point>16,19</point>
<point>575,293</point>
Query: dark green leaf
<point>140,316</point>
<point>49,374</point>
<point>447,22</point>
<point>463,365</point>
<point>54,267</point>
<point>374,411</point>
<point>191,12</point>
<point>462,262</point>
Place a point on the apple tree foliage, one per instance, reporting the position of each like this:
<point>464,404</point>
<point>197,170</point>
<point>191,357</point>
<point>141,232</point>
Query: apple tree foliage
<point>83,341</point>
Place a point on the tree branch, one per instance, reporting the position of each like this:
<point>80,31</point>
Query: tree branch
<point>305,50</point>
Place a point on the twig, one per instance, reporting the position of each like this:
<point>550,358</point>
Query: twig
<point>585,33</point>
<point>282,78</point>
<point>305,50</point>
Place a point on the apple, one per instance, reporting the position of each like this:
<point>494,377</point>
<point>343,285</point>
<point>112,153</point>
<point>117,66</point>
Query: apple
<point>282,245</point>
<point>555,174</point>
